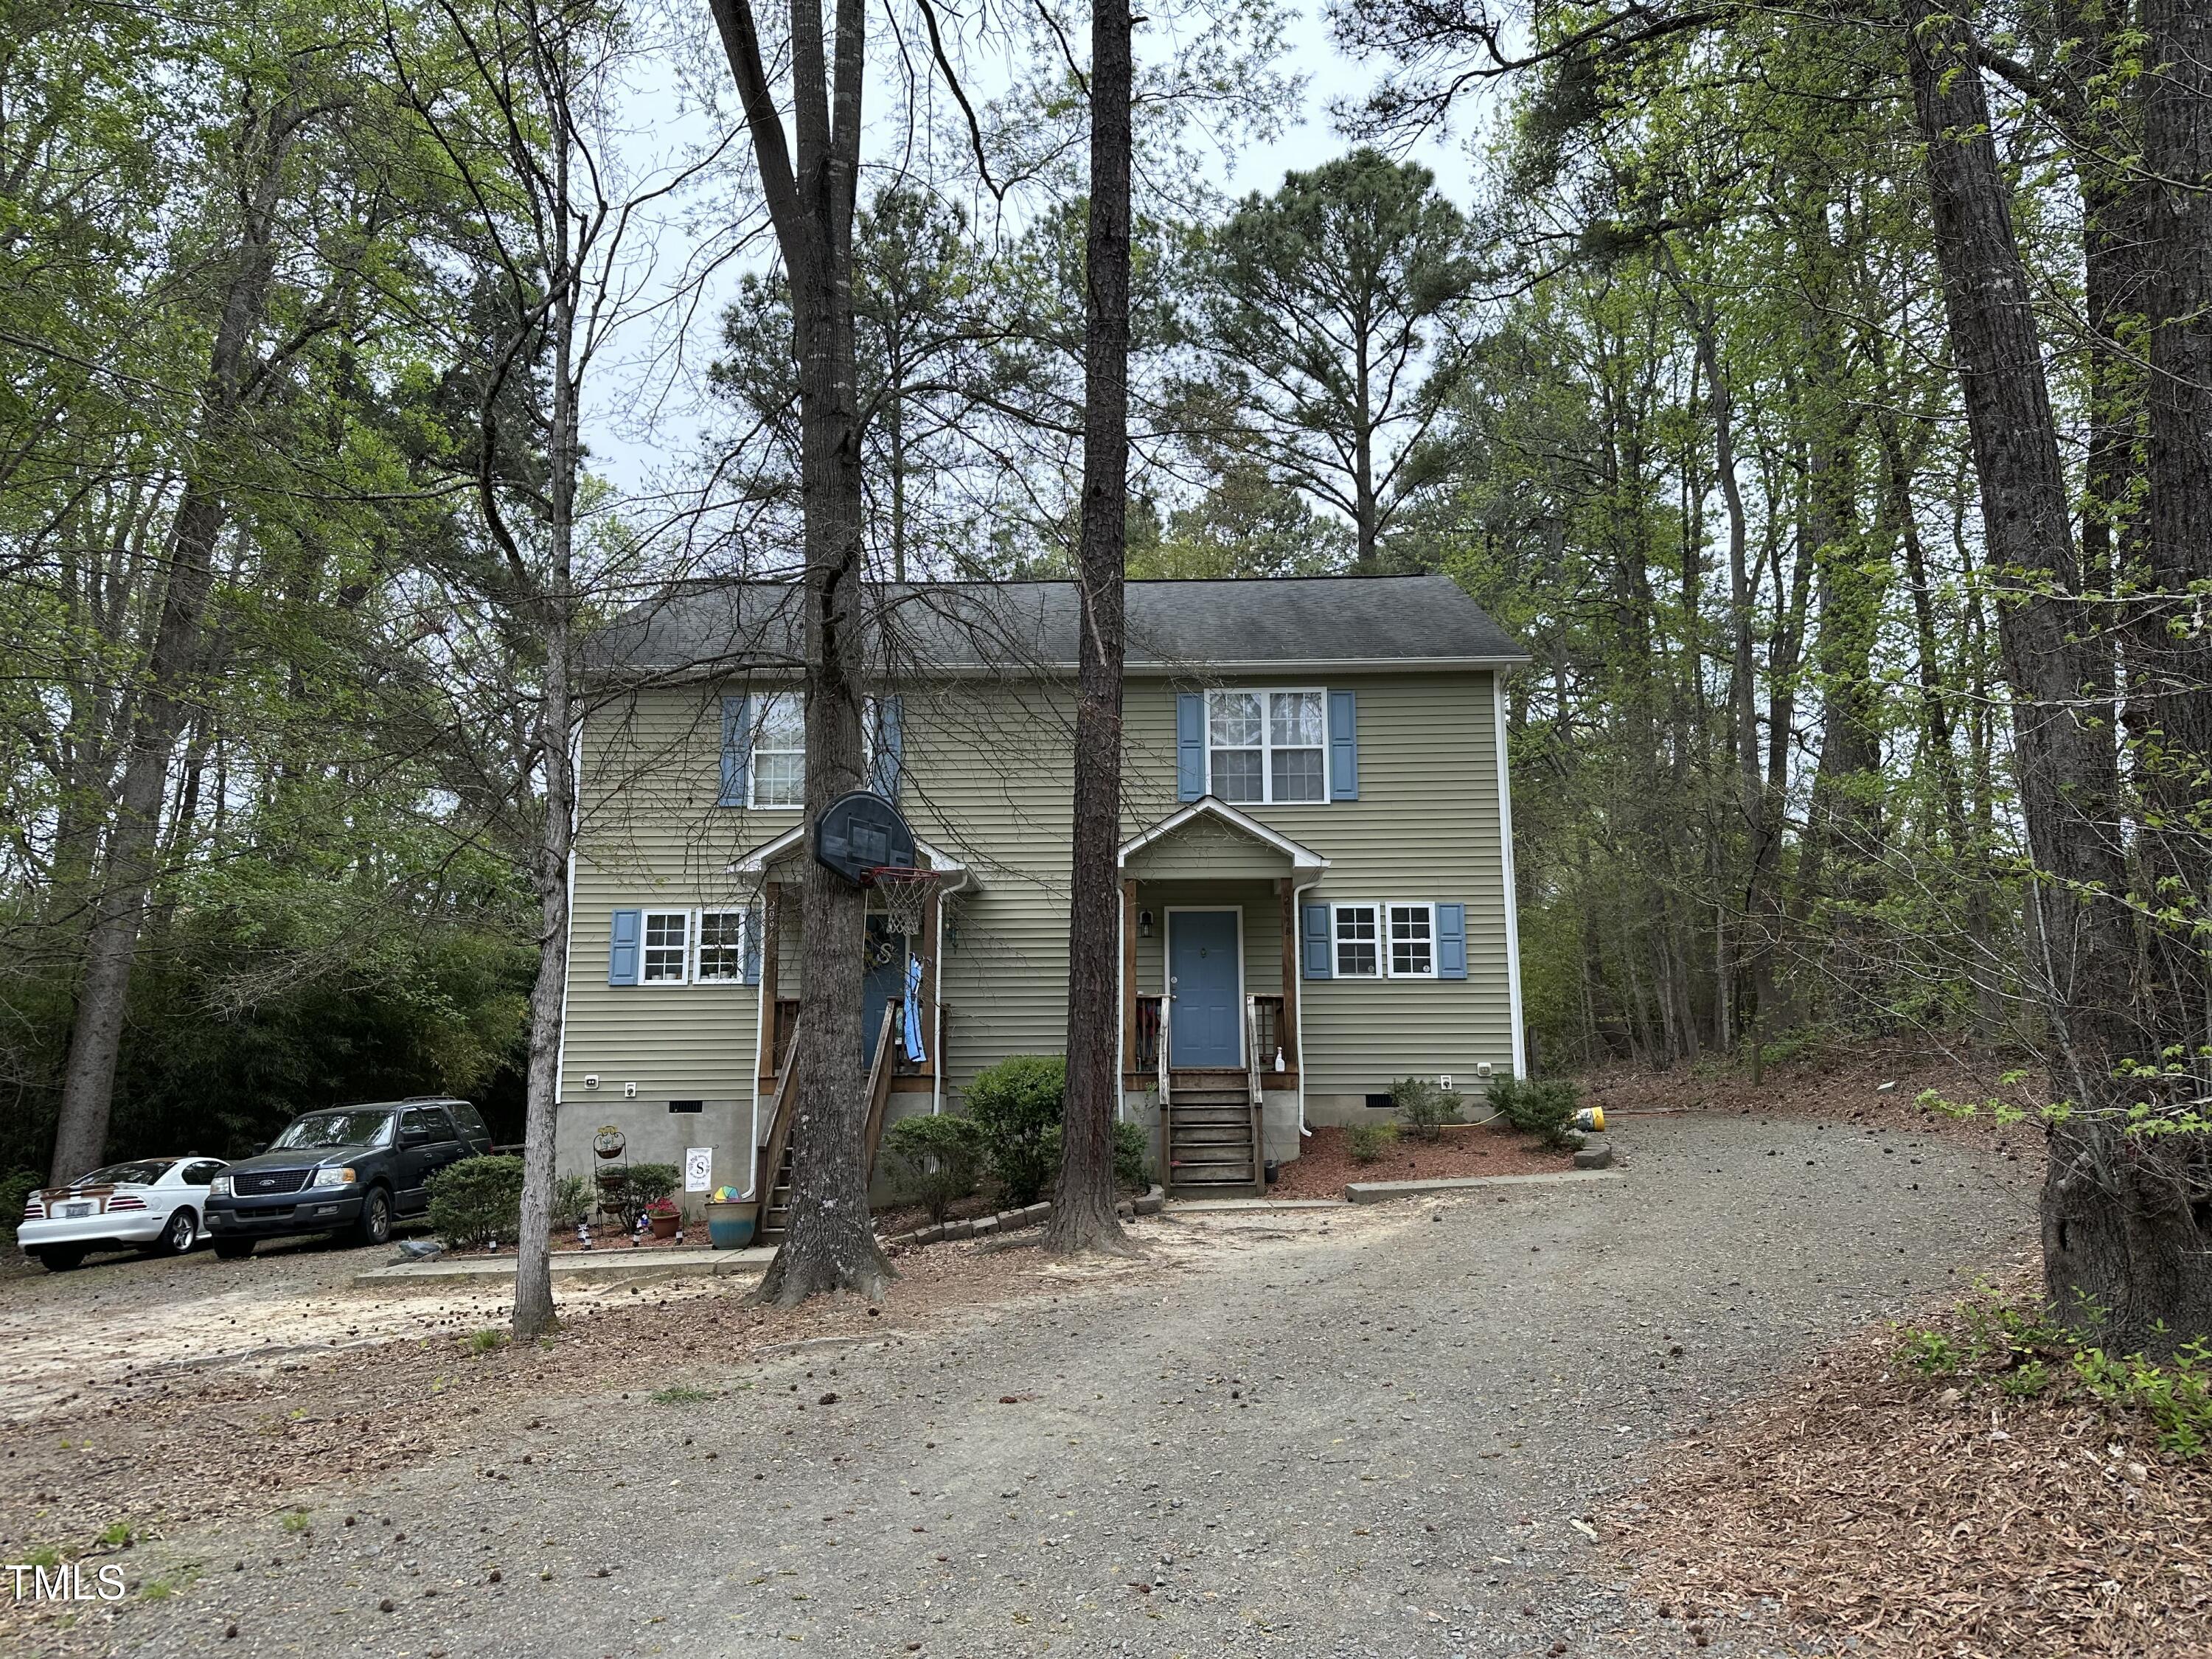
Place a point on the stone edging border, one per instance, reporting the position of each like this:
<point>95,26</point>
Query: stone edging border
<point>1007,1221</point>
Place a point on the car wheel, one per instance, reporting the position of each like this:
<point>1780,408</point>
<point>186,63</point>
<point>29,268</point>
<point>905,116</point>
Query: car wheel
<point>234,1250</point>
<point>60,1258</point>
<point>179,1235</point>
<point>374,1227</point>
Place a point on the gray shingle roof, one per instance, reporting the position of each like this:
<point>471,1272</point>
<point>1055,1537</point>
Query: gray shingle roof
<point>1173,627</point>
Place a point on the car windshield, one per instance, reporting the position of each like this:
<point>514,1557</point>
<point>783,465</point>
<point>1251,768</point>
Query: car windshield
<point>142,1173</point>
<point>336,1129</point>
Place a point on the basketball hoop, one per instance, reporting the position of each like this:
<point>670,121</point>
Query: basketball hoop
<point>905,892</point>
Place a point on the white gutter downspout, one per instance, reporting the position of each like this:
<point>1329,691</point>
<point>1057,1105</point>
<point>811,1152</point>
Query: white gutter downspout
<point>1298,1022</point>
<point>937,1006</point>
<point>1512,886</point>
<point>761,1015</point>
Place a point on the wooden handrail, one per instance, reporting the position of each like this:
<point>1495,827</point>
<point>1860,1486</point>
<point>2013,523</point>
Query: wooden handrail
<point>880,1086</point>
<point>779,1130</point>
<point>1167,1110</point>
<point>1255,1089</point>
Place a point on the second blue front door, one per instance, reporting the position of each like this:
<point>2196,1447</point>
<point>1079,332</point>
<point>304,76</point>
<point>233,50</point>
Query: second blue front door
<point>1206,980</point>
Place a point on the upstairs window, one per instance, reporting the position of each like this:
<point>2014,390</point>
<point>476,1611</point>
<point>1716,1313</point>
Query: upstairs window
<point>778,757</point>
<point>667,946</point>
<point>1266,748</point>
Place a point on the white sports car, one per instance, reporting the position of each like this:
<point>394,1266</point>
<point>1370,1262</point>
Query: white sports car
<point>148,1203</point>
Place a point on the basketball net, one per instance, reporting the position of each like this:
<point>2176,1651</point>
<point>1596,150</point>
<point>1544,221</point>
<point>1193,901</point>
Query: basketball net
<point>904,894</point>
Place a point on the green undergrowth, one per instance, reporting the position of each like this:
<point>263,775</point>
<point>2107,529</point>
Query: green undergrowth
<point>2019,1351</point>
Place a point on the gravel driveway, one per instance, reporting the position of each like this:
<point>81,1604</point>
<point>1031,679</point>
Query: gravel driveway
<point>1362,1434</point>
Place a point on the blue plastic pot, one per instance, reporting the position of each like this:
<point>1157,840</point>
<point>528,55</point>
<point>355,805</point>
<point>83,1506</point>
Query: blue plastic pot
<point>729,1226</point>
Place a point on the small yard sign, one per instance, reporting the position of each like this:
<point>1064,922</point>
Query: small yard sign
<point>698,1169</point>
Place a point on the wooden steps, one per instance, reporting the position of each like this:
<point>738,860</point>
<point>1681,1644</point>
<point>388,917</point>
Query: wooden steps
<point>775,1200</point>
<point>1213,1129</point>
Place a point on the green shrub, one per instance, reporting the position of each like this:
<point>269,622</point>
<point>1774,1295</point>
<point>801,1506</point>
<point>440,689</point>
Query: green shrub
<point>15,1192</point>
<point>1133,1157</point>
<point>1017,1105</point>
<point>935,1160</point>
<point>572,1201</point>
<point>477,1199</point>
<point>1425,1107</point>
<point>2177,1396</point>
<point>1368,1142</point>
<point>651,1182</point>
<point>1543,1108</point>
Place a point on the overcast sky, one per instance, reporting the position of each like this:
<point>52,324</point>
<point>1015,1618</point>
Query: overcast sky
<point>642,411</point>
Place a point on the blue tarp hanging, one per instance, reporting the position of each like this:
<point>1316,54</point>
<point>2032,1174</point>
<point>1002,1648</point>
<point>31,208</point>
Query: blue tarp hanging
<point>912,1035</point>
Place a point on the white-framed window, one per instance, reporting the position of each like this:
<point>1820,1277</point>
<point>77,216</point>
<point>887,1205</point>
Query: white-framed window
<point>1412,941</point>
<point>1355,935</point>
<point>721,955</point>
<point>777,776</point>
<point>667,952</point>
<point>1268,748</point>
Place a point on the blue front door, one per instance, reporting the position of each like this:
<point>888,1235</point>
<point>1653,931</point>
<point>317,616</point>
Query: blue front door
<point>1206,980</point>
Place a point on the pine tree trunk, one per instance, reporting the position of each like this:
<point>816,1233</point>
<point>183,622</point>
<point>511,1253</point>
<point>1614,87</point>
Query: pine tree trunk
<point>2122,1249</point>
<point>1083,1216</point>
<point>831,1245</point>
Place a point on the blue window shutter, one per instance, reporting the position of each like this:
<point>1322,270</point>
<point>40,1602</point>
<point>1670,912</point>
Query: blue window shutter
<point>1190,745</point>
<point>1344,745</point>
<point>737,749</point>
<point>1451,941</point>
<point>890,714</point>
<point>1316,953</point>
<point>622,943</point>
<point>749,960</point>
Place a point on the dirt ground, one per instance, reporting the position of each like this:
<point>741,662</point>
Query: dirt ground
<point>1325,1432</point>
<point>1325,1164</point>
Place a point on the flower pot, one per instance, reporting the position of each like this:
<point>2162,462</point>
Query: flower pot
<point>665,1226</point>
<point>730,1225</point>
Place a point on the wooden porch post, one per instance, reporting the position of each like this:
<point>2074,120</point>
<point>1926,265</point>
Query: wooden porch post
<point>1128,970</point>
<point>1287,890</point>
<point>771,947</point>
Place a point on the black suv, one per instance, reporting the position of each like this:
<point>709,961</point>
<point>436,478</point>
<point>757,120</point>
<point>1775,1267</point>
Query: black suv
<point>351,1168</point>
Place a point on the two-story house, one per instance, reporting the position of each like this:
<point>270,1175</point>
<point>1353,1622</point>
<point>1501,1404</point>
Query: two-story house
<point>1317,865</point>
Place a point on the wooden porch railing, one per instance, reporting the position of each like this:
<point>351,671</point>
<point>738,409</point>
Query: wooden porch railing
<point>1149,1048</point>
<point>880,1071</point>
<point>1271,1034</point>
<point>784,1027</point>
<point>779,1130</point>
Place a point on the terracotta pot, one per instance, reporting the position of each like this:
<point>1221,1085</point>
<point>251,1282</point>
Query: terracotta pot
<point>665,1226</point>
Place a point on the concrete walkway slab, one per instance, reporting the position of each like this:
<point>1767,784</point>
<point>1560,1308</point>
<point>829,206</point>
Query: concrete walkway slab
<point>449,1274</point>
<point>1200,1206</point>
<point>1375,1192</point>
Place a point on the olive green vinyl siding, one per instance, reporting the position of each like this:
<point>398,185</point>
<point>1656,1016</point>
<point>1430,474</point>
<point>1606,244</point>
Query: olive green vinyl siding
<point>988,778</point>
<point>1206,847</point>
<point>651,837</point>
<point>1424,828</point>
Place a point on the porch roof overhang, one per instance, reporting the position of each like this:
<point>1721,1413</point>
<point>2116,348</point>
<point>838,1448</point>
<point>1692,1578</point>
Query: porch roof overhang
<point>755,862</point>
<point>1304,860</point>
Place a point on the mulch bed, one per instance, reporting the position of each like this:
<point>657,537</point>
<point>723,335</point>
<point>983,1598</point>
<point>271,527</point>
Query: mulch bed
<point>1871,1502</point>
<point>1325,1164</point>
